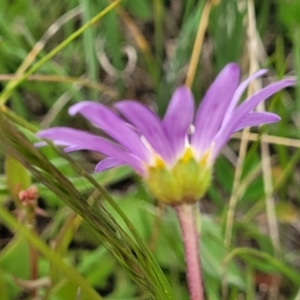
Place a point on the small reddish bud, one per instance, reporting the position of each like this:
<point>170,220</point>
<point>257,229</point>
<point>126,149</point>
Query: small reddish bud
<point>29,196</point>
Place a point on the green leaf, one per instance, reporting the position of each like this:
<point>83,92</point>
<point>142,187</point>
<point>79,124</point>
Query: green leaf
<point>17,177</point>
<point>3,288</point>
<point>140,9</point>
<point>14,258</point>
<point>263,260</point>
<point>289,11</point>
<point>213,253</point>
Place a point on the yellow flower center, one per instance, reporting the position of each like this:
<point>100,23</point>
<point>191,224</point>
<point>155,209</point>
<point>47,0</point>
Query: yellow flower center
<point>187,181</point>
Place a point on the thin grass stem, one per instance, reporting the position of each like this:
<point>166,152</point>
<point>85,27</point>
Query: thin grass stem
<point>14,84</point>
<point>198,44</point>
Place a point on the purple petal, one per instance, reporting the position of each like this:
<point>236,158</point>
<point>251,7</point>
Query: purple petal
<point>239,92</point>
<point>57,143</point>
<point>213,107</point>
<point>244,109</point>
<point>257,119</point>
<point>114,126</point>
<point>261,96</point>
<point>40,144</point>
<point>73,148</point>
<point>149,125</point>
<point>107,163</point>
<point>179,117</point>
<point>83,140</point>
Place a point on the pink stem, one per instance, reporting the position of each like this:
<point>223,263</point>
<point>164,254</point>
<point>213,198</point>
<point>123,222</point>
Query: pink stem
<point>186,215</point>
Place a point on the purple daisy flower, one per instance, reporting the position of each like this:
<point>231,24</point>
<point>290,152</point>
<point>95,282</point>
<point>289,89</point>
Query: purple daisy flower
<point>158,149</point>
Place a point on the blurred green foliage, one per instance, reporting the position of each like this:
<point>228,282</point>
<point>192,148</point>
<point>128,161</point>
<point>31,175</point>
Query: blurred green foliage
<point>128,248</point>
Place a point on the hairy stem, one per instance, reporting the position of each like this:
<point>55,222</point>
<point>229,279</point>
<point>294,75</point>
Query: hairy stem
<point>187,218</point>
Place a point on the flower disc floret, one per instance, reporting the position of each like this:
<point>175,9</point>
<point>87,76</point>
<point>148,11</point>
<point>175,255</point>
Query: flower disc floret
<point>187,181</point>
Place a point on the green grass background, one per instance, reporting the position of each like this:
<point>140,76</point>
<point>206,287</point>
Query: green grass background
<point>124,245</point>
